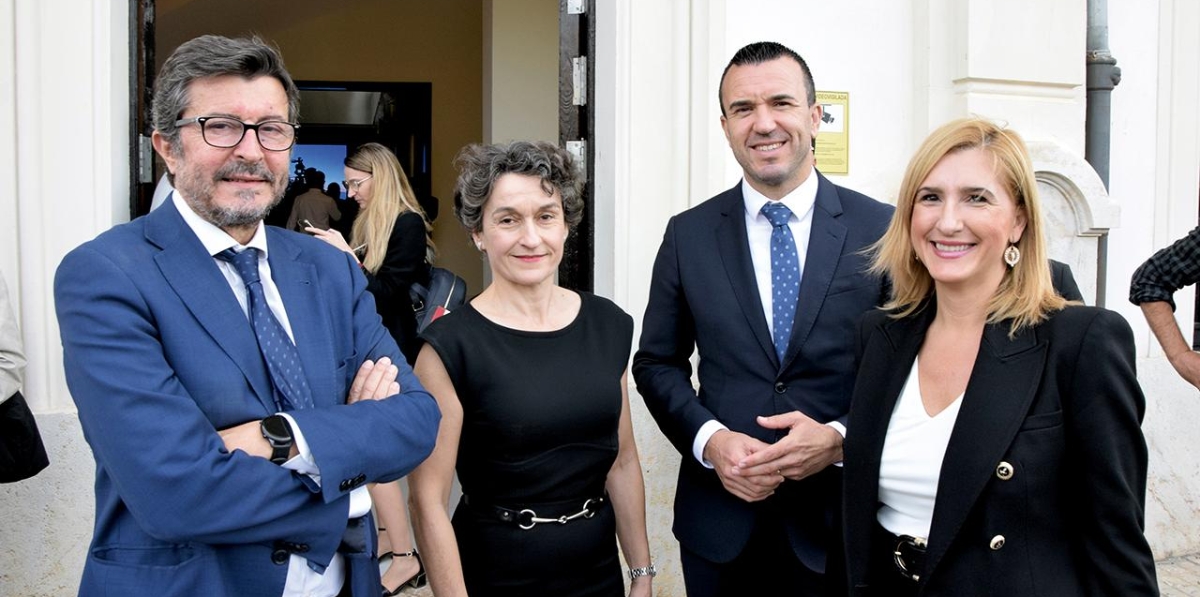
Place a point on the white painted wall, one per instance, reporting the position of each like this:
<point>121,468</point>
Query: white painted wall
<point>63,177</point>
<point>1155,178</point>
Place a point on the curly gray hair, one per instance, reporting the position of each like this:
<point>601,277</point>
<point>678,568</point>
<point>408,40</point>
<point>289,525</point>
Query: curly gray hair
<point>480,166</point>
<point>214,56</point>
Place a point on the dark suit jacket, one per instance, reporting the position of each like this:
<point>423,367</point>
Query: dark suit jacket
<point>158,356</point>
<point>1060,403</point>
<point>403,265</point>
<point>703,296</point>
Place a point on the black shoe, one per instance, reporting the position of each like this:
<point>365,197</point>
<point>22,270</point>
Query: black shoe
<point>417,581</point>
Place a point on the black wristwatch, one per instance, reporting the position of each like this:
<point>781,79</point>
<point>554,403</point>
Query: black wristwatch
<point>278,433</point>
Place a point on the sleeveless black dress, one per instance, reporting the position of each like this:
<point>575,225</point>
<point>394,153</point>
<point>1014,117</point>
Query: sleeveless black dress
<point>539,432</point>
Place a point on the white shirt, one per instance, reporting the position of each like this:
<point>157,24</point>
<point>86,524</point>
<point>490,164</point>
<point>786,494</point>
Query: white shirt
<point>911,464</point>
<point>12,357</point>
<point>302,581</point>
<point>758,235</point>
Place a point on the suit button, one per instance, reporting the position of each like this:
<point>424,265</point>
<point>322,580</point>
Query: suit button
<point>345,485</point>
<point>280,556</point>
<point>997,542</point>
<point>1004,471</point>
<point>780,388</point>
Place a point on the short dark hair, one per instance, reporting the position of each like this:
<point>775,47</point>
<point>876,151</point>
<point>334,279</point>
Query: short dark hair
<point>214,56</point>
<point>766,51</point>
<point>480,166</point>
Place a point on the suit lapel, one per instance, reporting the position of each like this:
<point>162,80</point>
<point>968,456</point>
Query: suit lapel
<point>734,250</point>
<point>825,242</point>
<point>297,283</point>
<point>190,271</point>
<point>1002,387</point>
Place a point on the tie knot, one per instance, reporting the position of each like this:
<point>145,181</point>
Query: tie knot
<point>246,263</point>
<point>777,213</point>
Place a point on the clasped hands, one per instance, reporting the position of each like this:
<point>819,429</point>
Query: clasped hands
<point>752,469</point>
<point>374,381</point>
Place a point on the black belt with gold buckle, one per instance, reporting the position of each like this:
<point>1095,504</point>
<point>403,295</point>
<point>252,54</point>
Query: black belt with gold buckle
<point>909,556</point>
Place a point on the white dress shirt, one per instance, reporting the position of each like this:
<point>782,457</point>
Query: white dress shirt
<point>302,580</point>
<point>758,235</point>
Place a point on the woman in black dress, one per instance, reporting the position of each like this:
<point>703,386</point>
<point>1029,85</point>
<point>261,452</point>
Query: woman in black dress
<point>531,381</point>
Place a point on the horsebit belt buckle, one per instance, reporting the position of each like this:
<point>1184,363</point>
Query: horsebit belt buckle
<point>527,519</point>
<point>908,554</point>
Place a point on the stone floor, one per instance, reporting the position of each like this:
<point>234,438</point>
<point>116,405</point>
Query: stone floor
<point>1180,577</point>
<point>1177,577</point>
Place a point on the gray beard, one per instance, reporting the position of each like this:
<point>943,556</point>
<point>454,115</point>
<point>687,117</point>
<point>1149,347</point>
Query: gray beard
<point>199,191</point>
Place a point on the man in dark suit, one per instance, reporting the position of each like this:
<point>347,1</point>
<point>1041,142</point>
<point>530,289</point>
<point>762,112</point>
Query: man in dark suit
<point>757,497</point>
<point>233,380</point>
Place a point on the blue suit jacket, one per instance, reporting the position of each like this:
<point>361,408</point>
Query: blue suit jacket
<point>704,296</point>
<point>158,356</point>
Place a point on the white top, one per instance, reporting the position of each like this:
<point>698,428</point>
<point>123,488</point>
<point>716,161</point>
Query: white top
<point>12,356</point>
<point>911,464</point>
<point>301,579</point>
<point>758,234</point>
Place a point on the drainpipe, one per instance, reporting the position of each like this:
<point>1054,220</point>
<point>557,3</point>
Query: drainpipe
<point>1102,76</point>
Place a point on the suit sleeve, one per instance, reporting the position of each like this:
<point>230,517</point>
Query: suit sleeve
<point>1103,416</point>
<point>404,262</point>
<point>662,368</point>
<point>151,441</point>
<point>371,440</point>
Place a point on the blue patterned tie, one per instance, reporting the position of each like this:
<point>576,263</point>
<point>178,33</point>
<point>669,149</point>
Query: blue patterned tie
<point>283,360</point>
<point>785,274</point>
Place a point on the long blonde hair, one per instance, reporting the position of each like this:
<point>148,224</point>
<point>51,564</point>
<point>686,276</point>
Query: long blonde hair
<point>391,197</point>
<point>1026,295</point>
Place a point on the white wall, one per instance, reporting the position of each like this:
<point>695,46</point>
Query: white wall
<point>1155,169</point>
<point>63,179</point>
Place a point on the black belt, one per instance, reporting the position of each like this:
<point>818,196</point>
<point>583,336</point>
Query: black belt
<point>527,518</point>
<point>905,552</point>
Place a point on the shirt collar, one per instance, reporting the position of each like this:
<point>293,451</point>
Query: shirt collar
<point>214,239</point>
<point>800,200</point>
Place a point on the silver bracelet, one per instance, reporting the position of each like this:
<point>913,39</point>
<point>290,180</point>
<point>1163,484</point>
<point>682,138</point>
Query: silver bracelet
<point>650,571</point>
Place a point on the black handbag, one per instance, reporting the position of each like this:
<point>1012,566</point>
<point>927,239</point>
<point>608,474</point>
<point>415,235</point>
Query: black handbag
<point>22,454</point>
<point>446,292</point>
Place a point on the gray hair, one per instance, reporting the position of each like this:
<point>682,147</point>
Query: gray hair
<point>480,166</point>
<point>214,56</point>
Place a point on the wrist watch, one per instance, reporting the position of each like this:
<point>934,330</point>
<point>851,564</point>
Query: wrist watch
<point>650,571</point>
<point>276,430</point>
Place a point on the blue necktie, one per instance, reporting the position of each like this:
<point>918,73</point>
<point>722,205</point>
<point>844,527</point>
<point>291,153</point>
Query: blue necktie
<point>785,275</point>
<point>283,360</point>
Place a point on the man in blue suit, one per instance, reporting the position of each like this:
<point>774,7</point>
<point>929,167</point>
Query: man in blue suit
<point>767,281</point>
<point>234,381</point>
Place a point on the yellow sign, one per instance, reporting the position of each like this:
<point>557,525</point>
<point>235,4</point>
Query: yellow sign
<point>833,138</point>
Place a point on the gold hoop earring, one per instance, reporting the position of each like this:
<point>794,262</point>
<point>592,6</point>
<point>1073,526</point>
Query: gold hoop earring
<point>1012,256</point>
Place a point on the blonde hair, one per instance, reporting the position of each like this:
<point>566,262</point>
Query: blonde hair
<point>1026,294</point>
<point>391,197</point>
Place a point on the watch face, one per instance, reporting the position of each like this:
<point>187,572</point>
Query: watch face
<point>276,428</point>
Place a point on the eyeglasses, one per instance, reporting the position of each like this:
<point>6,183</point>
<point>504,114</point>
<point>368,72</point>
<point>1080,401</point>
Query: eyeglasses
<point>219,131</point>
<point>352,185</point>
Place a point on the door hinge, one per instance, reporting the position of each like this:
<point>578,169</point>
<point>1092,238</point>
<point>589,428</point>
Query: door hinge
<point>579,81</point>
<point>145,160</point>
<point>578,151</point>
<point>576,7</point>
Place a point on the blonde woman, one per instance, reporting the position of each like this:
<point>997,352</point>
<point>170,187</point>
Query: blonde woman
<point>994,443</point>
<point>391,240</point>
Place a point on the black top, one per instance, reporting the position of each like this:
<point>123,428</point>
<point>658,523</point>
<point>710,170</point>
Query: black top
<point>403,265</point>
<point>540,409</point>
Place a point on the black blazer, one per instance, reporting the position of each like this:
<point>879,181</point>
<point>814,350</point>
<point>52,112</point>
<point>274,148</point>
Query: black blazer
<point>1060,404</point>
<point>703,296</point>
<point>403,265</point>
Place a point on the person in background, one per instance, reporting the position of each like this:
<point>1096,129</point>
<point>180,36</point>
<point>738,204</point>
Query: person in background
<point>313,208</point>
<point>393,240</point>
<point>12,356</point>
<point>1152,287</point>
<point>533,380</point>
<point>994,443</point>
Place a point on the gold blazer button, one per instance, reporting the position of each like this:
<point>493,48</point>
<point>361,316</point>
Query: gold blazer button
<point>997,542</point>
<point>1004,471</point>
